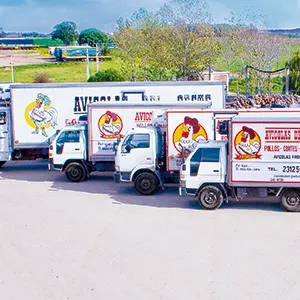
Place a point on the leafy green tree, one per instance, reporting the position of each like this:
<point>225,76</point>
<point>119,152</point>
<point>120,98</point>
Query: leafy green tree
<point>92,36</point>
<point>295,73</point>
<point>65,31</point>
<point>106,75</point>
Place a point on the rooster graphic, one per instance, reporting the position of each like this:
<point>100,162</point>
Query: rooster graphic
<point>43,114</point>
<point>189,134</point>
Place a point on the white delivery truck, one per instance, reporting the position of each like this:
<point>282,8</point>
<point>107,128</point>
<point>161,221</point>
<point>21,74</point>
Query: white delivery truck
<point>150,157</point>
<point>261,159</point>
<point>79,150</point>
<point>36,112</point>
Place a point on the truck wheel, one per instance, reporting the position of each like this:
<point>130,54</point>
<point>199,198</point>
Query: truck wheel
<point>76,172</point>
<point>290,200</point>
<point>2,163</point>
<point>146,184</point>
<point>210,197</point>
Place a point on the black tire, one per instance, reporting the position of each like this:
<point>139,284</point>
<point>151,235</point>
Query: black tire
<point>146,184</point>
<point>210,197</point>
<point>76,172</point>
<point>290,200</point>
<point>2,163</point>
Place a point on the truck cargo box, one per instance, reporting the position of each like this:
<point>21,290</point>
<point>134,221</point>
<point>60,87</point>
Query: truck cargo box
<point>265,151</point>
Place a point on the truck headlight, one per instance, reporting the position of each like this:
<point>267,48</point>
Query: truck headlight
<point>182,176</point>
<point>117,168</point>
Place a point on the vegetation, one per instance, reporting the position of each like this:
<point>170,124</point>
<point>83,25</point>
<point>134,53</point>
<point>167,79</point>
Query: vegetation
<point>295,73</point>
<point>107,75</point>
<point>57,72</point>
<point>65,31</point>
<point>93,37</point>
<point>41,77</point>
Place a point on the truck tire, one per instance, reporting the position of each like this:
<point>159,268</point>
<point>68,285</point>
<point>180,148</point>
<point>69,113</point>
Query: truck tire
<point>76,172</point>
<point>210,197</point>
<point>2,163</point>
<point>146,184</point>
<point>290,200</point>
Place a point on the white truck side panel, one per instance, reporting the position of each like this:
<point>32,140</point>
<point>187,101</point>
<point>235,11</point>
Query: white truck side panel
<point>265,153</point>
<point>37,117</point>
<point>106,125</point>
<point>186,128</point>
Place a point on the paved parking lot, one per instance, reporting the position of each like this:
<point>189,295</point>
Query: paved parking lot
<point>98,240</point>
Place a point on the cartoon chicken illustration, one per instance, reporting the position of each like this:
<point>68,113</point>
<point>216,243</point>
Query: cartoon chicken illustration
<point>110,125</point>
<point>191,134</point>
<point>248,145</point>
<point>42,116</point>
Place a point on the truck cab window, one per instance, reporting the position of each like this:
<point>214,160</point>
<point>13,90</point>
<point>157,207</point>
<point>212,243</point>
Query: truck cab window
<point>2,118</point>
<point>69,137</point>
<point>208,155</point>
<point>136,141</point>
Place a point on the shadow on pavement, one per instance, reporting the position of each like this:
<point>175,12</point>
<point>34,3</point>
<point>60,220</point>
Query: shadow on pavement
<point>102,183</point>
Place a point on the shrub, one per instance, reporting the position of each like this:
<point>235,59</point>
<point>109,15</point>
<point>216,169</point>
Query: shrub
<point>42,77</point>
<point>106,75</point>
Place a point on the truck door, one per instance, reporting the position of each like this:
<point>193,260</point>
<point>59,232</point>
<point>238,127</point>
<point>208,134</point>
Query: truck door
<point>136,151</point>
<point>5,150</point>
<point>205,166</point>
<point>70,144</point>
<point>218,117</point>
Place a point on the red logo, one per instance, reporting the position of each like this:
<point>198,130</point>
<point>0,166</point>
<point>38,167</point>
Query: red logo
<point>188,134</point>
<point>110,125</point>
<point>247,144</point>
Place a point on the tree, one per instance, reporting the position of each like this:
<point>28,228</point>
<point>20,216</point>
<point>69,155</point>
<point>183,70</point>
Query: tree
<point>131,40</point>
<point>295,73</point>
<point>190,40</point>
<point>65,31</point>
<point>92,37</point>
<point>106,75</point>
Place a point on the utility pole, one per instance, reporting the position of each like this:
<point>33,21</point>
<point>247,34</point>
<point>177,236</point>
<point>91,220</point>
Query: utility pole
<point>97,59</point>
<point>12,69</point>
<point>287,80</point>
<point>87,62</point>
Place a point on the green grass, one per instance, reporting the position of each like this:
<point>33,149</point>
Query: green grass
<point>57,72</point>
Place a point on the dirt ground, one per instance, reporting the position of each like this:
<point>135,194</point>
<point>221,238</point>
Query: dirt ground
<point>20,59</point>
<point>99,240</point>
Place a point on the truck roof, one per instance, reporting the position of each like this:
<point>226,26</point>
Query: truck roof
<point>115,84</point>
<point>268,118</point>
<point>212,143</point>
<point>149,103</point>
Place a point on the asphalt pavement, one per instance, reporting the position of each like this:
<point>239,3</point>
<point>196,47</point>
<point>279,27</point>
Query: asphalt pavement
<point>99,240</point>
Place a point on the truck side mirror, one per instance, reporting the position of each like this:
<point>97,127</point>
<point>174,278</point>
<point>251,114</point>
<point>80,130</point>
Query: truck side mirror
<point>224,127</point>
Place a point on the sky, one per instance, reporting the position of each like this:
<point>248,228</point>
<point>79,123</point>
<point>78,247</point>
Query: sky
<point>42,15</point>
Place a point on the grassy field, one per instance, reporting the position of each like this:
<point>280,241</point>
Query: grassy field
<point>57,72</point>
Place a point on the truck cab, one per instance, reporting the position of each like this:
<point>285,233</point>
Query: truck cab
<point>139,159</point>
<point>67,152</point>
<point>204,173</point>
<point>5,135</point>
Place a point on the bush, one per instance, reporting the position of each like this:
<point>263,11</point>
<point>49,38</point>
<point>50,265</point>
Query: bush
<point>41,78</point>
<point>106,75</point>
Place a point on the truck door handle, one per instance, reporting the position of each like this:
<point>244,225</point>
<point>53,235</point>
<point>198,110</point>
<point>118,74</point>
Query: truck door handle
<point>216,171</point>
<point>4,131</point>
<point>77,149</point>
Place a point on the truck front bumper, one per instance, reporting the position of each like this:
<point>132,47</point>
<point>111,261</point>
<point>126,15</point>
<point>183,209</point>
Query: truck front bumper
<point>182,191</point>
<point>53,167</point>
<point>117,177</point>
<point>122,177</point>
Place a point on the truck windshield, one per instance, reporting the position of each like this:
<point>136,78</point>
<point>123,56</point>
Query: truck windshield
<point>206,155</point>
<point>138,140</point>
<point>2,118</point>
<point>69,137</point>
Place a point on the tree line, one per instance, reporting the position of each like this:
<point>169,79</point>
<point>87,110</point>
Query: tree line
<point>180,41</point>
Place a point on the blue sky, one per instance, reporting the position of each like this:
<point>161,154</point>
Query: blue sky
<point>42,15</point>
